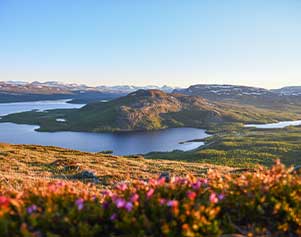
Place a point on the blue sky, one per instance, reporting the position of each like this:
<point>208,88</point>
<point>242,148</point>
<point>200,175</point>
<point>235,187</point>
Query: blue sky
<point>174,42</point>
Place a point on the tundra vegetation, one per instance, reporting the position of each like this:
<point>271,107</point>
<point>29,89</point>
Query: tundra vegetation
<point>265,202</point>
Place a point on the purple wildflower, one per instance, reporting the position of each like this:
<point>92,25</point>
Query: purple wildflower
<point>172,203</point>
<point>79,203</point>
<point>120,202</point>
<point>221,196</point>
<point>31,209</point>
<point>113,217</point>
<point>105,205</point>
<point>128,206</point>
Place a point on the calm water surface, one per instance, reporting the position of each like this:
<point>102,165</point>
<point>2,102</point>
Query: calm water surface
<point>120,143</point>
<point>274,125</point>
<point>9,108</point>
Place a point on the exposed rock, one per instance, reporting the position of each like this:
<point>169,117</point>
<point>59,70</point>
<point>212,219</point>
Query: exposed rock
<point>165,175</point>
<point>86,175</point>
<point>297,169</point>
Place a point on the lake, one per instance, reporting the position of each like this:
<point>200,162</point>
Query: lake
<point>9,108</point>
<point>121,143</point>
<point>275,125</point>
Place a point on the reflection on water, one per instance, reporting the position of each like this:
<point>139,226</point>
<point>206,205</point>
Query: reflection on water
<point>120,143</point>
<point>9,108</point>
<point>275,125</point>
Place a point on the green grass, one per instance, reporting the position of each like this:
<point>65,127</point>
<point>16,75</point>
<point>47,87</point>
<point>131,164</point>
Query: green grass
<point>244,148</point>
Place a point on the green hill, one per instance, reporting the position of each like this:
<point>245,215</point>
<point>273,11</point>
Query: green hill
<point>141,110</point>
<point>150,110</point>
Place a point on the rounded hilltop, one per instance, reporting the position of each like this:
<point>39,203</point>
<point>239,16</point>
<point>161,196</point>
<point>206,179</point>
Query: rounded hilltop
<point>149,93</point>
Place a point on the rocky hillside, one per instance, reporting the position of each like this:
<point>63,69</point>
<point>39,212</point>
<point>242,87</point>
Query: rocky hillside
<point>148,110</point>
<point>140,110</point>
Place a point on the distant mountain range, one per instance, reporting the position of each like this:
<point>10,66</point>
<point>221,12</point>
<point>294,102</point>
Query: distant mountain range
<point>15,91</point>
<point>290,90</point>
<point>63,87</point>
<point>18,91</point>
<point>223,91</point>
<point>244,94</point>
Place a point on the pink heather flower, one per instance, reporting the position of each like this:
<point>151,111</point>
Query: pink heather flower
<point>107,193</point>
<point>120,202</point>
<point>197,185</point>
<point>113,217</point>
<point>79,203</point>
<point>205,181</point>
<point>122,187</point>
<point>59,183</point>
<point>172,203</point>
<point>31,209</point>
<point>4,201</point>
<point>213,198</point>
<point>114,197</point>
<point>128,206</point>
<point>152,181</point>
<point>162,181</point>
<point>150,193</point>
<point>191,195</point>
<point>135,198</point>
<point>179,180</point>
<point>162,201</point>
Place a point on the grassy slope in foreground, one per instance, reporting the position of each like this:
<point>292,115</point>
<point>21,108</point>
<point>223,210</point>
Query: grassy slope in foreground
<point>265,202</point>
<point>30,163</point>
